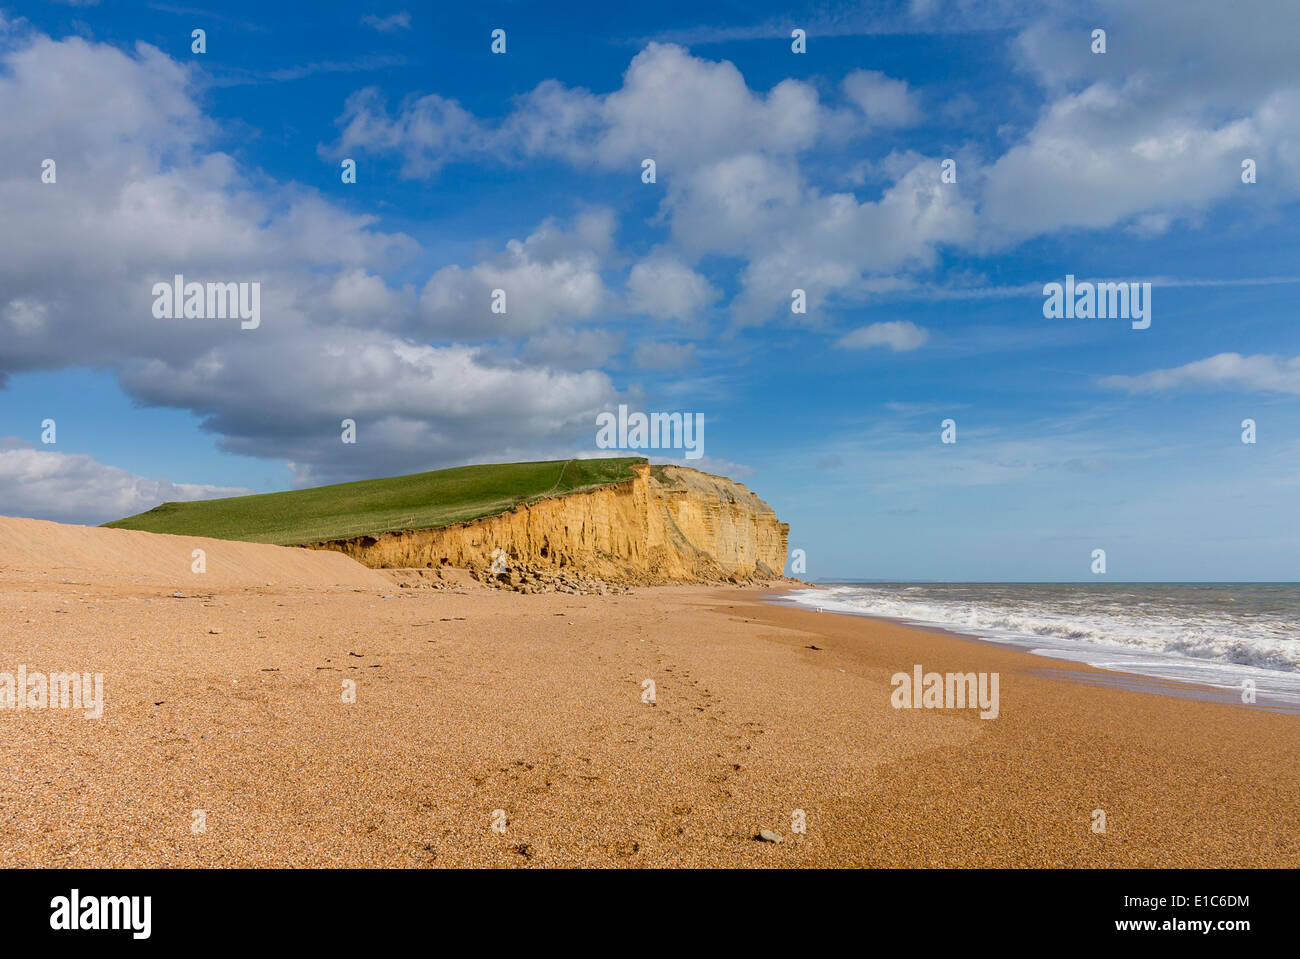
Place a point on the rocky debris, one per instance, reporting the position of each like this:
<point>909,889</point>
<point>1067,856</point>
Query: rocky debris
<point>566,579</point>
<point>766,835</point>
<point>543,578</point>
<point>546,579</point>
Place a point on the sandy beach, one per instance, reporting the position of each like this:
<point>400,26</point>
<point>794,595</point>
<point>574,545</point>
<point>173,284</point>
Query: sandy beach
<point>228,703</point>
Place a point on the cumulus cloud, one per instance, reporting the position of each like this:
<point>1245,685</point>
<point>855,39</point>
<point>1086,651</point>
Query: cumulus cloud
<point>1143,139</point>
<point>729,157</point>
<point>551,275</point>
<point>685,110</point>
<point>428,131</point>
<point>415,406</point>
<point>1150,133</point>
<point>899,335</point>
<point>667,289</point>
<point>358,293</point>
<point>570,349</point>
<point>1123,160</point>
<point>884,101</point>
<point>678,109</point>
<point>1232,51</point>
<point>1144,136</point>
<point>828,244</point>
<point>151,198</point>
<point>75,488</point>
<point>1225,371</point>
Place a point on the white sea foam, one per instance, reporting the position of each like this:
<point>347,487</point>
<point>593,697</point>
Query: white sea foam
<point>1217,635</point>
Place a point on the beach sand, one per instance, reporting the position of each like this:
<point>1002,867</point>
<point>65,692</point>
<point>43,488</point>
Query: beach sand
<point>476,700</point>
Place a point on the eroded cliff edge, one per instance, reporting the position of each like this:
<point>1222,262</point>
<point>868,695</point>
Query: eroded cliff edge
<point>667,524</point>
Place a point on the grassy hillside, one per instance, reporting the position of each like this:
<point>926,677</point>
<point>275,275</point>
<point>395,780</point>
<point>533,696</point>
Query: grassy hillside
<point>417,501</point>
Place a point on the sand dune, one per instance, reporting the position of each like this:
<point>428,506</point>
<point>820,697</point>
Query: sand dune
<point>31,549</point>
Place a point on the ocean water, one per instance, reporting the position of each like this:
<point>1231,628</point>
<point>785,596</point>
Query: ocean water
<point>1212,634</point>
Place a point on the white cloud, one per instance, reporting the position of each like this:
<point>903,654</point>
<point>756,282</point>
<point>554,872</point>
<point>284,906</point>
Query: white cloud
<point>1142,137</point>
<point>1235,51</point>
<point>1226,371</point>
<point>1121,159</point>
<point>728,158</point>
<point>552,275</point>
<point>1156,131</point>
<point>1149,142</point>
<point>429,132</point>
<point>667,289</point>
<point>685,110</point>
<point>678,109</point>
<point>569,349</point>
<point>75,488</point>
<point>395,21</point>
<point>899,335</point>
<point>415,406</point>
<point>358,293</point>
<point>141,195</point>
<point>886,102</point>
<point>827,244</point>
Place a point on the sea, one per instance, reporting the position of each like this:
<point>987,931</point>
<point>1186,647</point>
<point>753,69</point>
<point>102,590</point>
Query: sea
<point>1211,634</point>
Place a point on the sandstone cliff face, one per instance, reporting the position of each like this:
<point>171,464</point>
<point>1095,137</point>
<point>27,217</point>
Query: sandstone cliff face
<point>667,524</point>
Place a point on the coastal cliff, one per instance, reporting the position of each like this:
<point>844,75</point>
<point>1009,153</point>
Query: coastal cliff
<point>666,524</point>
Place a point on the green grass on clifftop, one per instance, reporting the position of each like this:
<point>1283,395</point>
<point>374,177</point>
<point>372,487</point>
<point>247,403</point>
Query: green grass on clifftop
<point>417,501</point>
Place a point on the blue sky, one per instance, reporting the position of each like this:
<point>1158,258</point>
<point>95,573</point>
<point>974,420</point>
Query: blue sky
<point>775,171</point>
